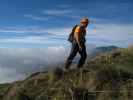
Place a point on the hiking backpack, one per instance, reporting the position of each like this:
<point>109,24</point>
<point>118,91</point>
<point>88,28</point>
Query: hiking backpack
<point>71,35</point>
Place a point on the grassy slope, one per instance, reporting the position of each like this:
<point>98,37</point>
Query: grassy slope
<point>106,77</point>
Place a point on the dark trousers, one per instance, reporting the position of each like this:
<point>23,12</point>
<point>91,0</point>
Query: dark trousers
<point>74,51</point>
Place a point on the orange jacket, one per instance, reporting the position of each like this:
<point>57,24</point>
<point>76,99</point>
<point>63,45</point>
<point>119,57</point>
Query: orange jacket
<point>79,33</point>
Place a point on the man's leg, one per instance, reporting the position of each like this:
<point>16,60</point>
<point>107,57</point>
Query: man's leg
<point>73,53</point>
<point>83,55</point>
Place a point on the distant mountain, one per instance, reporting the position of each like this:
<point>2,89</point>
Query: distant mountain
<point>108,76</point>
<point>100,50</point>
<point>106,49</point>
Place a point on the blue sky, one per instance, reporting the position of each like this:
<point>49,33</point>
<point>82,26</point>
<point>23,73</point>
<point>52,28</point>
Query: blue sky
<point>44,23</point>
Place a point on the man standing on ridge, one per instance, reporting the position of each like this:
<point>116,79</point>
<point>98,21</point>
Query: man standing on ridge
<point>77,38</point>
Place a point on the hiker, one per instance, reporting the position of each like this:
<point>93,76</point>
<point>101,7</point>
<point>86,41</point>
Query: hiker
<point>77,38</point>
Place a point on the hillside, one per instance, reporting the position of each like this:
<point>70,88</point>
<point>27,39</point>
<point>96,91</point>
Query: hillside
<point>106,77</point>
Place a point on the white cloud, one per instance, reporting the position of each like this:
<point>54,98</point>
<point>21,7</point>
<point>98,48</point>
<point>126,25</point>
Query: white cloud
<point>17,63</point>
<point>117,34</point>
<point>38,18</point>
<point>60,31</point>
<point>9,75</point>
<point>70,13</point>
<point>41,36</point>
<point>4,30</point>
<point>56,12</point>
<point>113,28</point>
<point>28,39</point>
<point>36,29</point>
